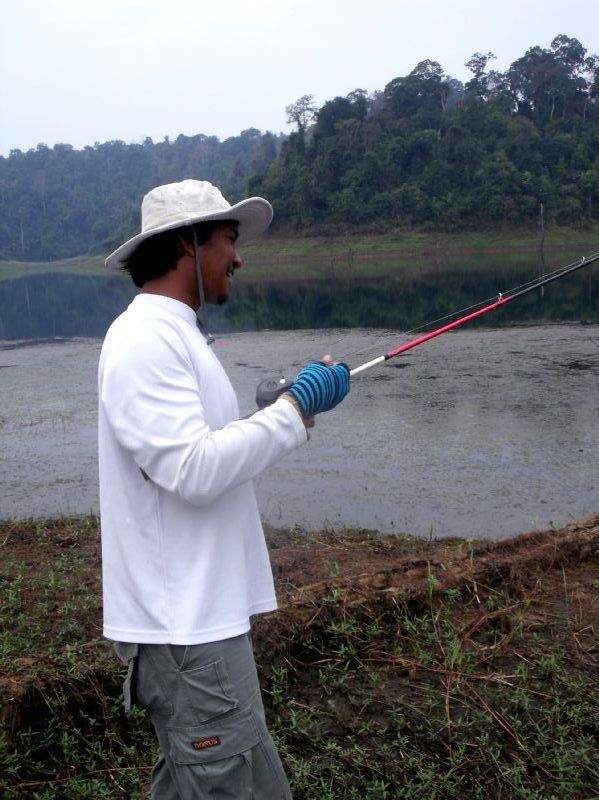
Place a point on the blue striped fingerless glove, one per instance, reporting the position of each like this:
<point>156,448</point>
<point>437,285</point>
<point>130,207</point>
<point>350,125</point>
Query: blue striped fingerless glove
<point>319,388</point>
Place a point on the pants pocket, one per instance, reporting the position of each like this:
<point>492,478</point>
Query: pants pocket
<point>151,690</point>
<point>128,686</point>
<point>208,691</point>
<point>189,697</point>
<point>214,759</point>
<point>128,654</point>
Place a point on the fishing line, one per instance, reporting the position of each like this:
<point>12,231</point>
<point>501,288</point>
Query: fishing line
<point>503,298</point>
<point>269,389</point>
<point>546,277</point>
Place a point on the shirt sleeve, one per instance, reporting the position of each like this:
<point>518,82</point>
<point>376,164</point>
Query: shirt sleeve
<point>153,404</point>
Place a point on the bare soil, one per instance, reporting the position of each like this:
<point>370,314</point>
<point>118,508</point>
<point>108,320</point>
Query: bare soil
<point>362,569</point>
<point>559,567</point>
<point>366,564</point>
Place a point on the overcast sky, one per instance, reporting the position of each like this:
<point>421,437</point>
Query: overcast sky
<point>86,71</point>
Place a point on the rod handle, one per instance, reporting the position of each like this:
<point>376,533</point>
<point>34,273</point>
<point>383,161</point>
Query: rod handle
<point>270,389</point>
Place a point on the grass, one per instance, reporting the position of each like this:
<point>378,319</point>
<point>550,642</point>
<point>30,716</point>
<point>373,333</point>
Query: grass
<point>364,245</point>
<point>410,709</point>
<point>80,265</point>
<point>366,255</point>
<point>409,669</point>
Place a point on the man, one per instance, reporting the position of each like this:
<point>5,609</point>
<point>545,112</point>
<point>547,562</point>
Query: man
<point>185,563</point>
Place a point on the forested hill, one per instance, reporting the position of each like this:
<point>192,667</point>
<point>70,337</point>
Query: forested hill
<point>424,151</point>
<point>60,202</point>
<point>430,151</point>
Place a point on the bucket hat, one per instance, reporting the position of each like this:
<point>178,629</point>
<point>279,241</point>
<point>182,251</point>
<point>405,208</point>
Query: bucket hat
<point>175,205</point>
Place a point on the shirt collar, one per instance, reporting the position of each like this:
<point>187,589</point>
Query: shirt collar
<point>169,304</point>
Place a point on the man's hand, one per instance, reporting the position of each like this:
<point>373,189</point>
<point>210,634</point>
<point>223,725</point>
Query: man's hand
<point>320,386</point>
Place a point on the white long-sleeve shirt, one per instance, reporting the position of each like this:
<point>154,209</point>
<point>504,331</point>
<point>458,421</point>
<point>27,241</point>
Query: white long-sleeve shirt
<point>183,553</point>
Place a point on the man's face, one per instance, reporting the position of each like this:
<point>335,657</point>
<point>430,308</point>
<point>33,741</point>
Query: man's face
<point>219,259</point>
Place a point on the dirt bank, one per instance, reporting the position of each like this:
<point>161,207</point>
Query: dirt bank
<point>396,667</point>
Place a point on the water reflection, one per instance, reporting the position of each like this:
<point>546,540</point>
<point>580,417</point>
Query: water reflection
<point>405,301</point>
<point>62,305</point>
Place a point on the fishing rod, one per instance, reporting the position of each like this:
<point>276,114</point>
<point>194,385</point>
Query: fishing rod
<point>269,389</point>
<point>502,300</point>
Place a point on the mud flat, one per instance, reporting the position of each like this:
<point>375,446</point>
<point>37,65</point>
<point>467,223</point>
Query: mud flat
<point>479,433</point>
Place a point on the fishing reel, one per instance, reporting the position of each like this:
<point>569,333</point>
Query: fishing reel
<point>270,389</point>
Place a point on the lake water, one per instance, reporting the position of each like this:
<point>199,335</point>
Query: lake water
<point>403,296</point>
<point>484,432</point>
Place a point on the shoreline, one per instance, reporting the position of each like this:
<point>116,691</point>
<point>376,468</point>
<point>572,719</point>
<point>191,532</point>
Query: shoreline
<point>367,247</point>
<point>290,533</point>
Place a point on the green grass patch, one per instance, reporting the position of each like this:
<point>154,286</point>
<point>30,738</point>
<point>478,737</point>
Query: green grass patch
<point>406,707</point>
<point>80,265</point>
<point>363,255</point>
<point>366,245</point>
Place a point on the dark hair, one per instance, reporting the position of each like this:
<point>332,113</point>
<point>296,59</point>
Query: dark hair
<point>158,254</point>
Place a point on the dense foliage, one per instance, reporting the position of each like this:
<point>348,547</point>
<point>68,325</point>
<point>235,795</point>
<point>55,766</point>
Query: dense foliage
<point>431,151</point>
<point>60,202</point>
<point>427,151</point>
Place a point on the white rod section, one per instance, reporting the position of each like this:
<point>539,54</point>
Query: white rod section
<point>368,364</point>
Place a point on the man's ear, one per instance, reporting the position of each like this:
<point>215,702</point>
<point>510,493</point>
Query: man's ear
<point>187,247</point>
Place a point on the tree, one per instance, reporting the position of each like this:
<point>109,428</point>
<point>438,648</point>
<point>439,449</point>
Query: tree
<point>478,85</point>
<point>589,182</point>
<point>551,83</point>
<point>570,53</point>
<point>301,113</point>
<point>422,94</point>
<point>354,106</point>
<point>61,202</point>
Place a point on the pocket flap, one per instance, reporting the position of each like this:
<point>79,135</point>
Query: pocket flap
<point>221,737</point>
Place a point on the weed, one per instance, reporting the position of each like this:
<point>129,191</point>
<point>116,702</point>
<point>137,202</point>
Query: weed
<point>333,567</point>
<point>452,595</point>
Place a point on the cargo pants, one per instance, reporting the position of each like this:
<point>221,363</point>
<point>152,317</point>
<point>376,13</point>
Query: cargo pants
<point>206,707</point>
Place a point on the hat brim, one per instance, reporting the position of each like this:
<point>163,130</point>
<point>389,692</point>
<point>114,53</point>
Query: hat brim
<point>253,216</point>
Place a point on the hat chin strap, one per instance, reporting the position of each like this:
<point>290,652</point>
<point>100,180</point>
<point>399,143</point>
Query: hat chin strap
<point>201,310</point>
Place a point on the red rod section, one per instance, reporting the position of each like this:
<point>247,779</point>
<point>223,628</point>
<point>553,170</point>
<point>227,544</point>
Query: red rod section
<point>543,281</point>
<point>450,326</point>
